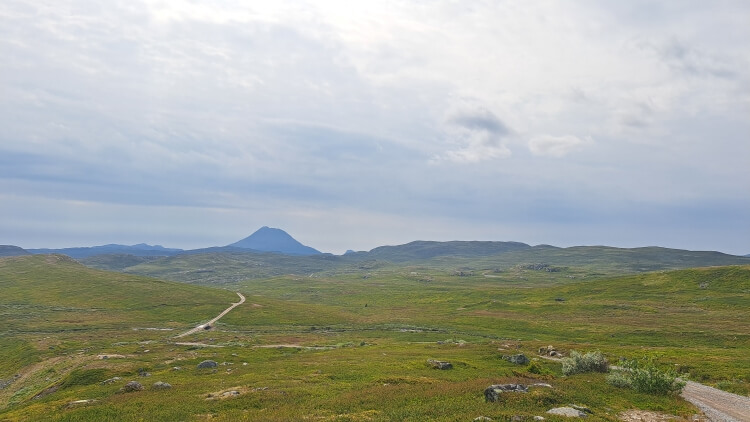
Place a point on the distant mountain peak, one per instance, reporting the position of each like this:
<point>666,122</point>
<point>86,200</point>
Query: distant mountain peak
<point>270,239</point>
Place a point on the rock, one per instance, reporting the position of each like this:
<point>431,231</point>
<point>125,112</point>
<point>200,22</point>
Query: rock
<point>145,374</point>
<point>538,418</point>
<point>80,403</point>
<point>517,418</point>
<point>492,393</point>
<point>232,393</point>
<point>519,359</point>
<point>207,364</point>
<point>581,408</point>
<point>482,418</point>
<point>160,385</point>
<point>439,364</point>
<point>131,386</point>
<point>111,380</point>
<point>567,411</point>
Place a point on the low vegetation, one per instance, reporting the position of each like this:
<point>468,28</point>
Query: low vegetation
<point>353,346</point>
<point>577,363</point>
<point>644,376</point>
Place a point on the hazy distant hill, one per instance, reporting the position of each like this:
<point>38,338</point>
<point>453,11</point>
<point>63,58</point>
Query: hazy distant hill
<point>222,266</point>
<point>10,250</point>
<point>267,239</point>
<point>140,249</point>
<point>419,250</point>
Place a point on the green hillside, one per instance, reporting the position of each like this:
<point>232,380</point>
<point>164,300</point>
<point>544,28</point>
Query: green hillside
<point>497,259</point>
<point>343,347</point>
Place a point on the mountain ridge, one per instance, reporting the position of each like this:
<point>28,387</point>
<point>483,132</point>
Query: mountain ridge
<point>12,250</point>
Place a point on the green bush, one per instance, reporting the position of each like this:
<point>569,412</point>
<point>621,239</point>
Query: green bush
<point>619,379</point>
<point>645,377</point>
<point>536,368</point>
<point>590,362</point>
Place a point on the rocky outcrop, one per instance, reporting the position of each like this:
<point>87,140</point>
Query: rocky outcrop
<point>568,411</point>
<point>160,385</point>
<point>493,392</point>
<point>206,364</point>
<point>550,351</point>
<point>131,386</point>
<point>519,359</point>
<point>439,364</point>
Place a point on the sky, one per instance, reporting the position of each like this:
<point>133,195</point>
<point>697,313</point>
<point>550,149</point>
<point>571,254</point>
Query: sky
<point>357,124</point>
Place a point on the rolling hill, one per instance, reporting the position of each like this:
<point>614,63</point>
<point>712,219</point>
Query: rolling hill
<point>140,249</point>
<point>10,250</point>
<point>227,267</point>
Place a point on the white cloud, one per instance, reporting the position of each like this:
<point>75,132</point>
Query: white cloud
<point>328,102</point>
<point>556,146</point>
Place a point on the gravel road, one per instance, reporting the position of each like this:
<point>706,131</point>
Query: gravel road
<point>717,405</point>
<point>203,326</point>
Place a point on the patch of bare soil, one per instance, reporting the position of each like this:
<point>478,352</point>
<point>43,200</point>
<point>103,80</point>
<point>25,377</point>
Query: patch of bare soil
<point>648,416</point>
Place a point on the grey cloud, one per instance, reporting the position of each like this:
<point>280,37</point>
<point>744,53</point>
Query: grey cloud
<point>480,119</point>
<point>474,134</point>
<point>692,61</point>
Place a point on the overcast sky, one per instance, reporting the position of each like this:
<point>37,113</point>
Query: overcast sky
<point>358,124</point>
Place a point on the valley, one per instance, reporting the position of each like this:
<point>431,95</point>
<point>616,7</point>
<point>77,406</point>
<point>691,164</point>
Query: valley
<point>351,340</point>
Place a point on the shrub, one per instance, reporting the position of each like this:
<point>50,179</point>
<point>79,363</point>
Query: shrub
<point>534,368</point>
<point>645,377</point>
<point>619,379</point>
<point>590,362</point>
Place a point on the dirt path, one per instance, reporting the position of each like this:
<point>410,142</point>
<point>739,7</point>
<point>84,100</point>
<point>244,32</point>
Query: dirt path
<point>717,405</point>
<point>213,321</point>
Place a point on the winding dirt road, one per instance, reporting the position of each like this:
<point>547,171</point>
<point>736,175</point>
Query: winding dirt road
<point>717,405</point>
<point>213,321</point>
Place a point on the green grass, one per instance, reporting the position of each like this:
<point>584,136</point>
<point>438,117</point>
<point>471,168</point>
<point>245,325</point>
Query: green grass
<point>361,344</point>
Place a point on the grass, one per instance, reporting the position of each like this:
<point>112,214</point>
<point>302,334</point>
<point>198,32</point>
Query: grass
<point>360,344</point>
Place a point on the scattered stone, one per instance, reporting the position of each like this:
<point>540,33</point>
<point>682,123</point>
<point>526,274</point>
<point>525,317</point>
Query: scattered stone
<point>232,393</point>
<point>492,393</point>
<point>439,364</point>
<point>549,351</point>
<point>482,418</point>
<point>46,392</point>
<point>207,364</point>
<point>111,380</point>
<point>160,385</point>
<point>131,386</point>
<point>176,368</point>
<point>519,359</point>
<point>567,411</point>
<point>144,374</point>
<point>538,418</point>
<point>517,418</point>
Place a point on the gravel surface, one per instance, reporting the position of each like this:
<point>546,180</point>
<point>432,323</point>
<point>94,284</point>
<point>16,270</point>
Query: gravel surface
<point>718,406</point>
<point>213,321</point>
